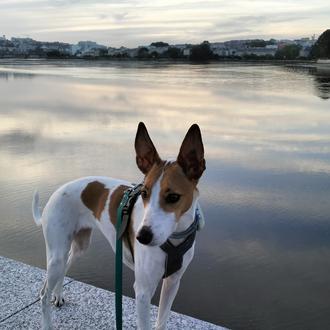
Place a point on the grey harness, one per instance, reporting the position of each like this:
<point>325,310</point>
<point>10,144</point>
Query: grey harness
<point>174,254</point>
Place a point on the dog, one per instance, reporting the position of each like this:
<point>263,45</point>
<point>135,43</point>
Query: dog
<point>166,206</point>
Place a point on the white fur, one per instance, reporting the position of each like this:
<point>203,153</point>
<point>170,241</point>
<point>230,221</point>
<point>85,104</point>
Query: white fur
<point>65,214</point>
<point>35,209</point>
<point>162,223</point>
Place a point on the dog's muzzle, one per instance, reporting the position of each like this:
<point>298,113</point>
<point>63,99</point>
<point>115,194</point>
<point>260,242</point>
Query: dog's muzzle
<point>145,235</point>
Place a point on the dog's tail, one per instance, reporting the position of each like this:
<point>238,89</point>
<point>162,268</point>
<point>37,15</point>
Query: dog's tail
<point>36,209</point>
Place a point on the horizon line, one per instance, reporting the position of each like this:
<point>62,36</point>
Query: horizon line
<point>178,43</point>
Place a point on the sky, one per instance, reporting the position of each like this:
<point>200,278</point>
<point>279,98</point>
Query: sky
<point>135,22</point>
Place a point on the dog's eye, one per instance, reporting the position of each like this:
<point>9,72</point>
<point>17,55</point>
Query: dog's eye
<point>144,193</point>
<point>172,198</point>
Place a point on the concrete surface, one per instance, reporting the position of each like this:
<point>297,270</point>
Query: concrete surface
<point>86,307</point>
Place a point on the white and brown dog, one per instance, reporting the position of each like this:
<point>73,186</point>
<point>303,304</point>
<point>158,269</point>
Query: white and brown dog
<point>167,205</point>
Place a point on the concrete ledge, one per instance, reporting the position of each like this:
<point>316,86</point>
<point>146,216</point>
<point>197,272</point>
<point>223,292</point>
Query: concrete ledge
<point>86,307</point>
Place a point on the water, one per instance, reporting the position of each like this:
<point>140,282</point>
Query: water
<point>263,259</point>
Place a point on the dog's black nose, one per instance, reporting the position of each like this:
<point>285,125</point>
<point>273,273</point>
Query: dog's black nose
<point>145,235</point>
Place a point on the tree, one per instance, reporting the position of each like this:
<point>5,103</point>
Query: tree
<point>173,52</point>
<point>154,54</point>
<point>257,43</point>
<point>143,52</point>
<point>288,52</point>
<point>54,54</point>
<point>321,48</point>
<point>159,44</point>
<point>201,52</point>
<point>103,52</point>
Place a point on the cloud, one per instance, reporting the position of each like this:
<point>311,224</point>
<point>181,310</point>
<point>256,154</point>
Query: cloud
<point>136,22</point>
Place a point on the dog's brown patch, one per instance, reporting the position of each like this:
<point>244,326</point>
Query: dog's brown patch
<point>151,178</point>
<point>116,197</point>
<point>94,196</point>
<point>115,200</point>
<point>175,181</point>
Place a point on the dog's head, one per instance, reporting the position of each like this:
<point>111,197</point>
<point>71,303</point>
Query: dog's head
<point>169,188</point>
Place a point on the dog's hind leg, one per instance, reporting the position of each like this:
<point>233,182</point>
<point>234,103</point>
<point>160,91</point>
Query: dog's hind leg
<point>79,245</point>
<point>55,273</point>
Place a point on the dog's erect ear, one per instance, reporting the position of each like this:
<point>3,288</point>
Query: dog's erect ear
<point>191,155</point>
<point>146,153</point>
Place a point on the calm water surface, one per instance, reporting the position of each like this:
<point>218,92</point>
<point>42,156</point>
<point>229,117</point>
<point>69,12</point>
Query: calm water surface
<point>263,259</point>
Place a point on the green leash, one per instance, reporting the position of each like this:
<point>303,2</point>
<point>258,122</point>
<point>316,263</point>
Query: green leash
<point>119,264</point>
<point>123,218</point>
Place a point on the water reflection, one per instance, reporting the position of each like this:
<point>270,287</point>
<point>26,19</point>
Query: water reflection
<point>322,83</point>
<point>263,259</point>
<point>320,74</point>
<point>15,75</point>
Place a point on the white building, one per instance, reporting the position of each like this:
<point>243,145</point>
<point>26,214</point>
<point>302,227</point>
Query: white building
<point>219,48</point>
<point>122,51</point>
<point>24,45</point>
<point>257,51</point>
<point>83,47</point>
<point>159,50</point>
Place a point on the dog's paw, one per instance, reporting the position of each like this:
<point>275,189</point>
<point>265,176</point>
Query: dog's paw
<point>47,327</point>
<point>58,301</point>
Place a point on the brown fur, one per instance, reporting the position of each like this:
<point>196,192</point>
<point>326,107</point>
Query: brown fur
<point>151,179</point>
<point>94,196</point>
<point>115,200</point>
<point>175,181</point>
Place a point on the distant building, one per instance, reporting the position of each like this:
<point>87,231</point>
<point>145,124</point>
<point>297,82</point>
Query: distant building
<point>62,48</point>
<point>122,52</point>
<point>132,52</point>
<point>282,43</point>
<point>24,46</point>
<point>184,48</point>
<point>305,42</point>
<point>305,51</point>
<point>254,47</point>
<point>219,48</point>
<point>157,49</point>
<point>256,51</point>
<point>86,47</point>
<point>272,47</point>
<point>186,52</point>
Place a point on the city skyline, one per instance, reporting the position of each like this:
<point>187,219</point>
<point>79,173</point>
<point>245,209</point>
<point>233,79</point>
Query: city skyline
<point>131,22</point>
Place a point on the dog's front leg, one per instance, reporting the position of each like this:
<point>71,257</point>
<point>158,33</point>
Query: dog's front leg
<point>148,272</point>
<point>169,290</point>
<point>144,286</point>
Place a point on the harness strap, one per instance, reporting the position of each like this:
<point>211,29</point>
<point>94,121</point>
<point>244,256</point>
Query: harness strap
<point>132,195</point>
<point>174,254</point>
<point>192,228</point>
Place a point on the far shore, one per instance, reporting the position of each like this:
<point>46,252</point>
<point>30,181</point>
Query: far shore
<point>162,60</point>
